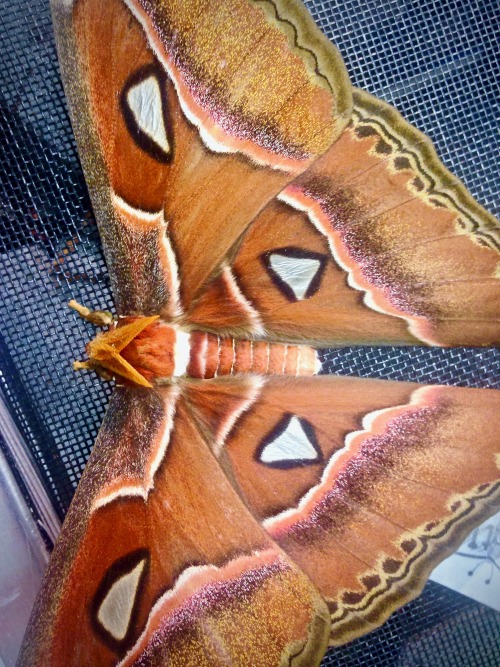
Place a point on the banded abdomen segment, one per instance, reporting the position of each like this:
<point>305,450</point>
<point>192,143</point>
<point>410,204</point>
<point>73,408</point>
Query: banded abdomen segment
<point>212,356</point>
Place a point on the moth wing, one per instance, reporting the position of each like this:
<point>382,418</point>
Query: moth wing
<point>159,560</point>
<point>186,132</point>
<point>376,243</point>
<point>366,484</point>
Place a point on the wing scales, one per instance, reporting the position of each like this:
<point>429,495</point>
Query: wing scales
<point>185,573</point>
<point>394,491</point>
<point>413,258</point>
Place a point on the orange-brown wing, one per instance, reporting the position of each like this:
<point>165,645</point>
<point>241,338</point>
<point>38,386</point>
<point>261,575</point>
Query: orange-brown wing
<point>159,561</point>
<point>366,484</point>
<point>376,243</point>
<point>189,117</point>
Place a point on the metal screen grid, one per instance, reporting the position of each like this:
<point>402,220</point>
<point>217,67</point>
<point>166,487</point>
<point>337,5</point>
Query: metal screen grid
<point>51,253</point>
<point>436,61</point>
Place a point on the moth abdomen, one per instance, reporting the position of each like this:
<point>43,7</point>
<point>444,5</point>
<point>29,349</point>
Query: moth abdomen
<point>212,356</point>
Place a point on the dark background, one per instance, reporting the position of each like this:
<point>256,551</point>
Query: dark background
<point>436,61</point>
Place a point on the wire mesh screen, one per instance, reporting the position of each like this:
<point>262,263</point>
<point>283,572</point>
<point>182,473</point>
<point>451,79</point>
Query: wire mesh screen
<point>435,60</point>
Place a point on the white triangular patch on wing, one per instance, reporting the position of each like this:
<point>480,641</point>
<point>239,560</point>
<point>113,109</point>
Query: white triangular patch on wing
<point>116,608</point>
<point>296,272</point>
<point>144,100</point>
<point>291,445</point>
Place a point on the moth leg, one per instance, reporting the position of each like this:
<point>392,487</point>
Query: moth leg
<point>99,318</point>
<point>89,366</point>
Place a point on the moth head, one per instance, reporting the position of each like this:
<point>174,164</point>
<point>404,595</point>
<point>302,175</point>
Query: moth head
<point>137,349</point>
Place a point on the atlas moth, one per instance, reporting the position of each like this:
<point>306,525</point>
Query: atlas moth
<point>238,508</point>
